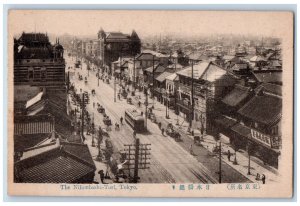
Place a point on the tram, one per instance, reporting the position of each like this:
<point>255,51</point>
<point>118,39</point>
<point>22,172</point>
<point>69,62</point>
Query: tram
<point>135,120</point>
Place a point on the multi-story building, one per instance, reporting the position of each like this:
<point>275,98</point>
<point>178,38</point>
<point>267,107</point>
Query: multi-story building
<point>112,45</point>
<point>210,83</point>
<point>37,62</point>
<point>251,119</point>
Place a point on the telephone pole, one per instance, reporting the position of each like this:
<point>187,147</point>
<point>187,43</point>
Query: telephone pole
<point>146,112</point>
<point>220,163</point>
<point>192,94</point>
<point>153,80</point>
<point>82,118</point>
<point>137,156</point>
<point>98,75</point>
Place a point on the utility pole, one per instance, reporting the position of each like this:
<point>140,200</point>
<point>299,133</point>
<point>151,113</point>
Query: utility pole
<point>220,163</point>
<point>137,156</point>
<point>82,118</point>
<point>136,160</point>
<point>249,166</point>
<point>134,77</point>
<point>192,94</point>
<point>68,81</point>
<point>146,112</point>
<point>98,75</point>
<point>153,79</point>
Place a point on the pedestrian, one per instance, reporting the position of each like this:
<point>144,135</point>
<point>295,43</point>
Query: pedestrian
<point>94,104</point>
<point>142,113</point>
<point>228,155</point>
<point>121,120</point>
<point>263,179</point>
<point>159,125</point>
<point>101,173</point>
<point>139,103</point>
<point>162,131</point>
<point>191,150</point>
<point>257,176</point>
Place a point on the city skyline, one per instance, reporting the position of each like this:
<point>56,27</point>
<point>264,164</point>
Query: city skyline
<point>81,23</point>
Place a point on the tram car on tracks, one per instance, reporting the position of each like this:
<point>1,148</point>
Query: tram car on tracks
<point>135,120</point>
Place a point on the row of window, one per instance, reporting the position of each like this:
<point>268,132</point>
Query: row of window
<point>37,73</point>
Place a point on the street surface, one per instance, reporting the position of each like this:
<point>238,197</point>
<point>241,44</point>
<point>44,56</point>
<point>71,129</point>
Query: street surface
<point>171,161</point>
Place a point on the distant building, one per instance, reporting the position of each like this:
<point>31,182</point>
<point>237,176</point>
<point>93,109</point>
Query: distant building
<point>112,45</point>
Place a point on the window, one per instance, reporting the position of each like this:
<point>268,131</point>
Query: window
<point>28,60</point>
<point>43,74</point>
<point>30,73</point>
<point>37,73</point>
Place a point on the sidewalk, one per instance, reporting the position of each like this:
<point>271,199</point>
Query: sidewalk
<point>256,165</point>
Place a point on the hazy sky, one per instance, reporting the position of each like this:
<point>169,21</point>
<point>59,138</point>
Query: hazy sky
<point>88,22</point>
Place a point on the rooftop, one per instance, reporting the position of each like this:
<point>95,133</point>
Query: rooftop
<point>59,162</point>
<point>266,109</point>
<point>236,96</point>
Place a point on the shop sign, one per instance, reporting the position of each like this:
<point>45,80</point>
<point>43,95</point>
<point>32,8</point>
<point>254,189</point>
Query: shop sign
<point>265,139</point>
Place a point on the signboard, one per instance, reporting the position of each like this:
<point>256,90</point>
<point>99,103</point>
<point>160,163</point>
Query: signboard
<point>265,139</point>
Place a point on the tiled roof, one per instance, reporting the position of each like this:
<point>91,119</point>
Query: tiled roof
<point>65,163</point>
<point>24,141</point>
<point>269,88</point>
<point>162,76</point>
<point>268,76</point>
<point>236,96</point>
<point>257,59</point>
<point>225,121</point>
<point>116,35</point>
<point>242,130</point>
<point>213,72</point>
<point>266,109</point>
<point>79,150</point>
<point>172,77</point>
<point>157,69</point>
<point>198,70</point>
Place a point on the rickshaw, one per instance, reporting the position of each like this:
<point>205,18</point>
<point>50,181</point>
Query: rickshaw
<point>172,133</point>
<point>107,81</point>
<point>107,121</point>
<point>93,92</point>
<point>129,100</point>
<point>101,109</point>
<point>85,80</point>
<point>124,94</point>
<point>153,117</point>
<point>198,137</point>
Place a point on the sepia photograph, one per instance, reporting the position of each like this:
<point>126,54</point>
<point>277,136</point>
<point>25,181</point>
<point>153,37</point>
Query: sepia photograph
<point>150,103</point>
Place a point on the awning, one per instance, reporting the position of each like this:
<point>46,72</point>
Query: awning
<point>242,130</point>
<point>225,121</point>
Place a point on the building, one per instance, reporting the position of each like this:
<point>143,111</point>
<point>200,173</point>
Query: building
<point>171,91</point>
<point>55,162</point>
<point>210,84</point>
<point>37,62</point>
<point>251,119</point>
<point>113,45</point>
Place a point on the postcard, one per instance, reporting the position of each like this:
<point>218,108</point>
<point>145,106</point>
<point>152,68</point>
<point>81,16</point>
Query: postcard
<point>140,103</point>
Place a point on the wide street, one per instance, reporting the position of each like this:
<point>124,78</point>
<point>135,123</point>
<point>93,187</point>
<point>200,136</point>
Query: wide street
<point>171,162</point>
